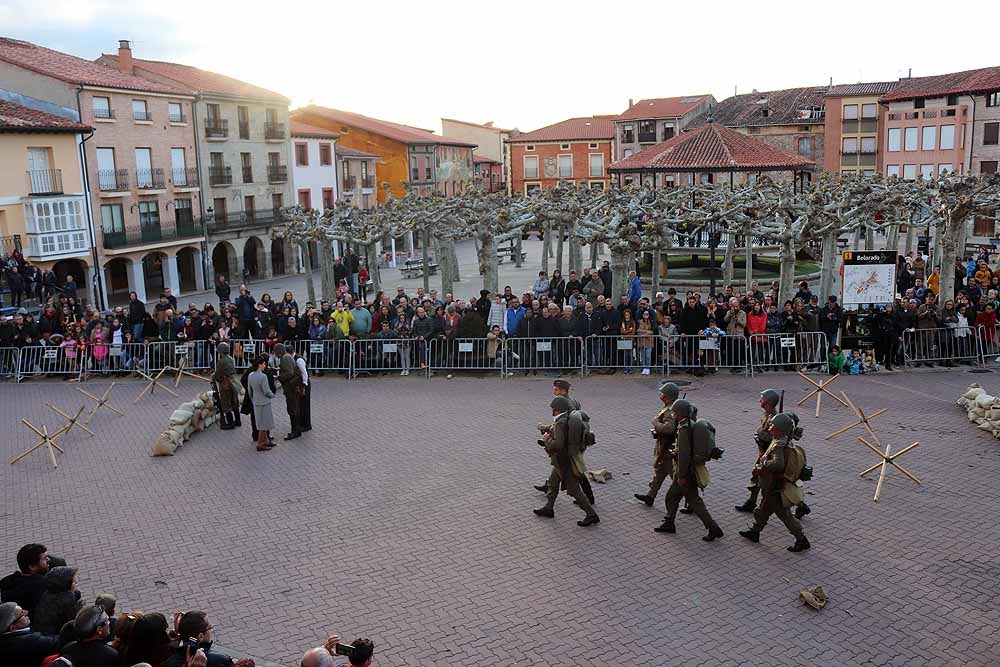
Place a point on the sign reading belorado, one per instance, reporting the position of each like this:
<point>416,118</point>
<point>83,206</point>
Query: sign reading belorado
<point>869,277</point>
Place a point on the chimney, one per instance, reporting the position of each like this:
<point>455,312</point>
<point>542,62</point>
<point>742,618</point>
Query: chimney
<point>630,103</point>
<point>125,57</point>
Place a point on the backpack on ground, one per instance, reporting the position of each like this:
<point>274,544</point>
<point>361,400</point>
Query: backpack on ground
<point>703,446</point>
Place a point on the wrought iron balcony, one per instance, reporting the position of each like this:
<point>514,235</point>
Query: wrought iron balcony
<point>350,182</point>
<point>220,176</point>
<point>277,173</point>
<point>216,128</point>
<point>256,218</point>
<point>149,179</point>
<point>185,177</point>
<point>112,180</point>
<point>141,114</point>
<point>177,117</point>
<point>368,182</point>
<point>45,182</point>
<point>144,234</point>
<point>104,113</point>
<point>274,131</point>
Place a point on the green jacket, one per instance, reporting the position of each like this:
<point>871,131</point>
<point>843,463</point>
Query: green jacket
<point>288,373</point>
<point>835,362</point>
<point>564,448</point>
<point>776,475</point>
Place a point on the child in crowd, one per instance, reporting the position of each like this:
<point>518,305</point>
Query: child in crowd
<point>835,360</point>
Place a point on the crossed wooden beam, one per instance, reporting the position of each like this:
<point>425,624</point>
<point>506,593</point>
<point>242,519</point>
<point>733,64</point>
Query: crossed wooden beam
<point>73,421</point>
<point>47,440</point>
<point>888,458</point>
<point>863,420</point>
<point>820,388</point>
<point>182,371</point>
<point>102,402</point>
<point>152,383</point>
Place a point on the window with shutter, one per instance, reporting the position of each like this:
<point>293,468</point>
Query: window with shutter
<point>991,134</point>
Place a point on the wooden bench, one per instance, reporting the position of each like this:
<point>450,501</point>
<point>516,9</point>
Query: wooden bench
<point>417,270</point>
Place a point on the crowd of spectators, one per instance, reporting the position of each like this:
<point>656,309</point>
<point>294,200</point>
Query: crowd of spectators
<point>45,621</point>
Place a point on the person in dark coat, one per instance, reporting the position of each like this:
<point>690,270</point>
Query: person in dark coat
<point>26,586</point>
<point>19,644</point>
<point>60,602</point>
<point>92,627</point>
<point>149,641</point>
<point>692,321</point>
<point>223,291</point>
<point>830,316</point>
<point>606,277</point>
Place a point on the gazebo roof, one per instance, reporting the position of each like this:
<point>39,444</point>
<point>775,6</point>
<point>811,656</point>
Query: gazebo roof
<point>712,147</point>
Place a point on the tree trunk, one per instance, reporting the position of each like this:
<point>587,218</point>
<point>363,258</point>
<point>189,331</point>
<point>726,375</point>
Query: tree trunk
<point>728,271</point>
<point>475,242</point>
<point>748,242</point>
<point>448,268</point>
<point>911,231</point>
<point>829,265</point>
<point>559,248</point>
<point>654,274</point>
<point>621,264</point>
<point>488,263</point>
<point>374,273</point>
<point>307,260</point>
<point>857,239</point>
<point>786,277</point>
<point>327,284</point>
<point>947,244</point>
<point>457,270</point>
<point>892,238</point>
<point>594,249</point>
<point>517,251</point>
<point>869,238</point>
<point>575,252</point>
<point>546,246</point>
<point>423,254</point>
<point>935,250</point>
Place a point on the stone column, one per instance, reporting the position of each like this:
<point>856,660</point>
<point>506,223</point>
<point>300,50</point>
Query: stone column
<point>137,280</point>
<point>171,278</point>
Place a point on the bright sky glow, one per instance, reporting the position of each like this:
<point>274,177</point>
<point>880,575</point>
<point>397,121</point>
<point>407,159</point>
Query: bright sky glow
<point>520,64</point>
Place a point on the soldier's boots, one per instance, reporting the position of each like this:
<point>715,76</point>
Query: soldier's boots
<point>801,544</point>
<point>589,520</point>
<point>713,532</point>
<point>546,512</point>
<point>687,509</point>
<point>544,488</point>
<point>752,534</point>
<point>751,504</point>
<point>645,498</point>
<point>666,527</point>
<point>227,421</point>
<point>801,510</point>
<point>236,418</point>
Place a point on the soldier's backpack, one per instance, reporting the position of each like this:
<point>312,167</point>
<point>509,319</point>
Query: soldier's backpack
<point>703,447</point>
<point>579,429</point>
<point>795,463</point>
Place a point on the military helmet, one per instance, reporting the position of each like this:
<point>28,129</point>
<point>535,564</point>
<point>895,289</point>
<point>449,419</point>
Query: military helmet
<point>770,396</point>
<point>784,422</point>
<point>222,348</point>
<point>561,403</point>
<point>670,390</point>
<point>683,408</point>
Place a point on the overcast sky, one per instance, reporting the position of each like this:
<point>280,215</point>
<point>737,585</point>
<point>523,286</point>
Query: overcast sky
<point>518,63</point>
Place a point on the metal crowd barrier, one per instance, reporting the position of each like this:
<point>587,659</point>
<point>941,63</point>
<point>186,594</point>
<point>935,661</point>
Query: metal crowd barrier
<point>50,360</point>
<point>610,352</point>
<point>383,355</point>
<point>8,362</point>
<point>327,355</point>
<point>542,354</point>
<point>944,344</point>
<point>465,354</point>
<point>792,351</point>
<point>687,351</point>
<point>989,342</point>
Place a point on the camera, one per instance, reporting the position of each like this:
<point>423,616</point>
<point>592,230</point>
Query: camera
<point>344,649</point>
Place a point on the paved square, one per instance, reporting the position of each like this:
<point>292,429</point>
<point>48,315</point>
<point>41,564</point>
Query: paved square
<point>405,516</point>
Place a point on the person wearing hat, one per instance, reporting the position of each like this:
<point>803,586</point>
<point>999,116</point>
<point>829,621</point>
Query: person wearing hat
<point>291,384</point>
<point>18,644</point>
<point>664,431</point>
<point>561,388</point>
<point>688,476</point>
<point>565,449</point>
<point>769,399</point>
<point>777,473</point>
<point>227,388</point>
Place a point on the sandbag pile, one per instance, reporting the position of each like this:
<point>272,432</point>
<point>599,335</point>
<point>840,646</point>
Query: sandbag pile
<point>189,418</point>
<point>983,409</point>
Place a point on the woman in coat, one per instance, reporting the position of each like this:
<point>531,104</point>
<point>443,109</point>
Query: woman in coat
<point>227,387</point>
<point>261,394</point>
<point>59,603</point>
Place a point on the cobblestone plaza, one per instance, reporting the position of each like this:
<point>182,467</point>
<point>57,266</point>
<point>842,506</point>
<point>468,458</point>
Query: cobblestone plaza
<point>405,516</point>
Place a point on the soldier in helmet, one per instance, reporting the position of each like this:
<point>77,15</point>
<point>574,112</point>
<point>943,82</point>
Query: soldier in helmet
<point>565,450</point>
<point>663,430</point>
<point>777,471</point>
<point>561,388</point>
<point>769,403</point>
<point>688,476</point>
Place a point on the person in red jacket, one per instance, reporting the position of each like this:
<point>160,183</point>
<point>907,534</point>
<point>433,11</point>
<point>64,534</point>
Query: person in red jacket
<point>757,324</point>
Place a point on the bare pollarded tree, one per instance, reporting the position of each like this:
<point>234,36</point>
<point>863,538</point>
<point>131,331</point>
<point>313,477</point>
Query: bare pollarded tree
<point>955,201</point>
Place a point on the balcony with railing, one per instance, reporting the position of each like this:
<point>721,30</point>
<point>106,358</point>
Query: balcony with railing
<point>256,218</point>
<point>277,173</point>
<point>142,114</point>
<point>112,180</point>
<point>274,131</point>
<point>104,114</point>
<point>43,182</point>
<point>647,137</point>
<point>146,234</point>
<point>185,177</point>
<point>149,179</point>
<point>350,182</point>
<point>220,175</point>
<point>368,182</point>
<point>216,128</point>
<point>177,117</point>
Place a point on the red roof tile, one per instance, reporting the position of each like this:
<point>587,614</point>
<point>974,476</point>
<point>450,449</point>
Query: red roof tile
<point>488,125</point>
<point>16,118</point>
<point>200,80</point>
<point>344,151</point>
<point>71,69</point>
<point>711,147</point>
<point>402,133</point>
<point>482,159</point>
<point>861,89</point>
<point>793,106</point>
<point>663,107</point>
<point>311,131</point>
<point>586,127</point>
<point>970,81</point>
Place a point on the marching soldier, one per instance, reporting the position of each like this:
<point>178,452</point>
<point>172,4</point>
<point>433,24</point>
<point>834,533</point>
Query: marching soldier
<point>776,472</point>
<point>688,476</point>
<point>564,445</point>
<point>769,400</point>
<point>561,388</point>
<point>664,431</point>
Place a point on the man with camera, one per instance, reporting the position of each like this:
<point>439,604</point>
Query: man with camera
<point>359,653</point>
<point>195,633</point>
